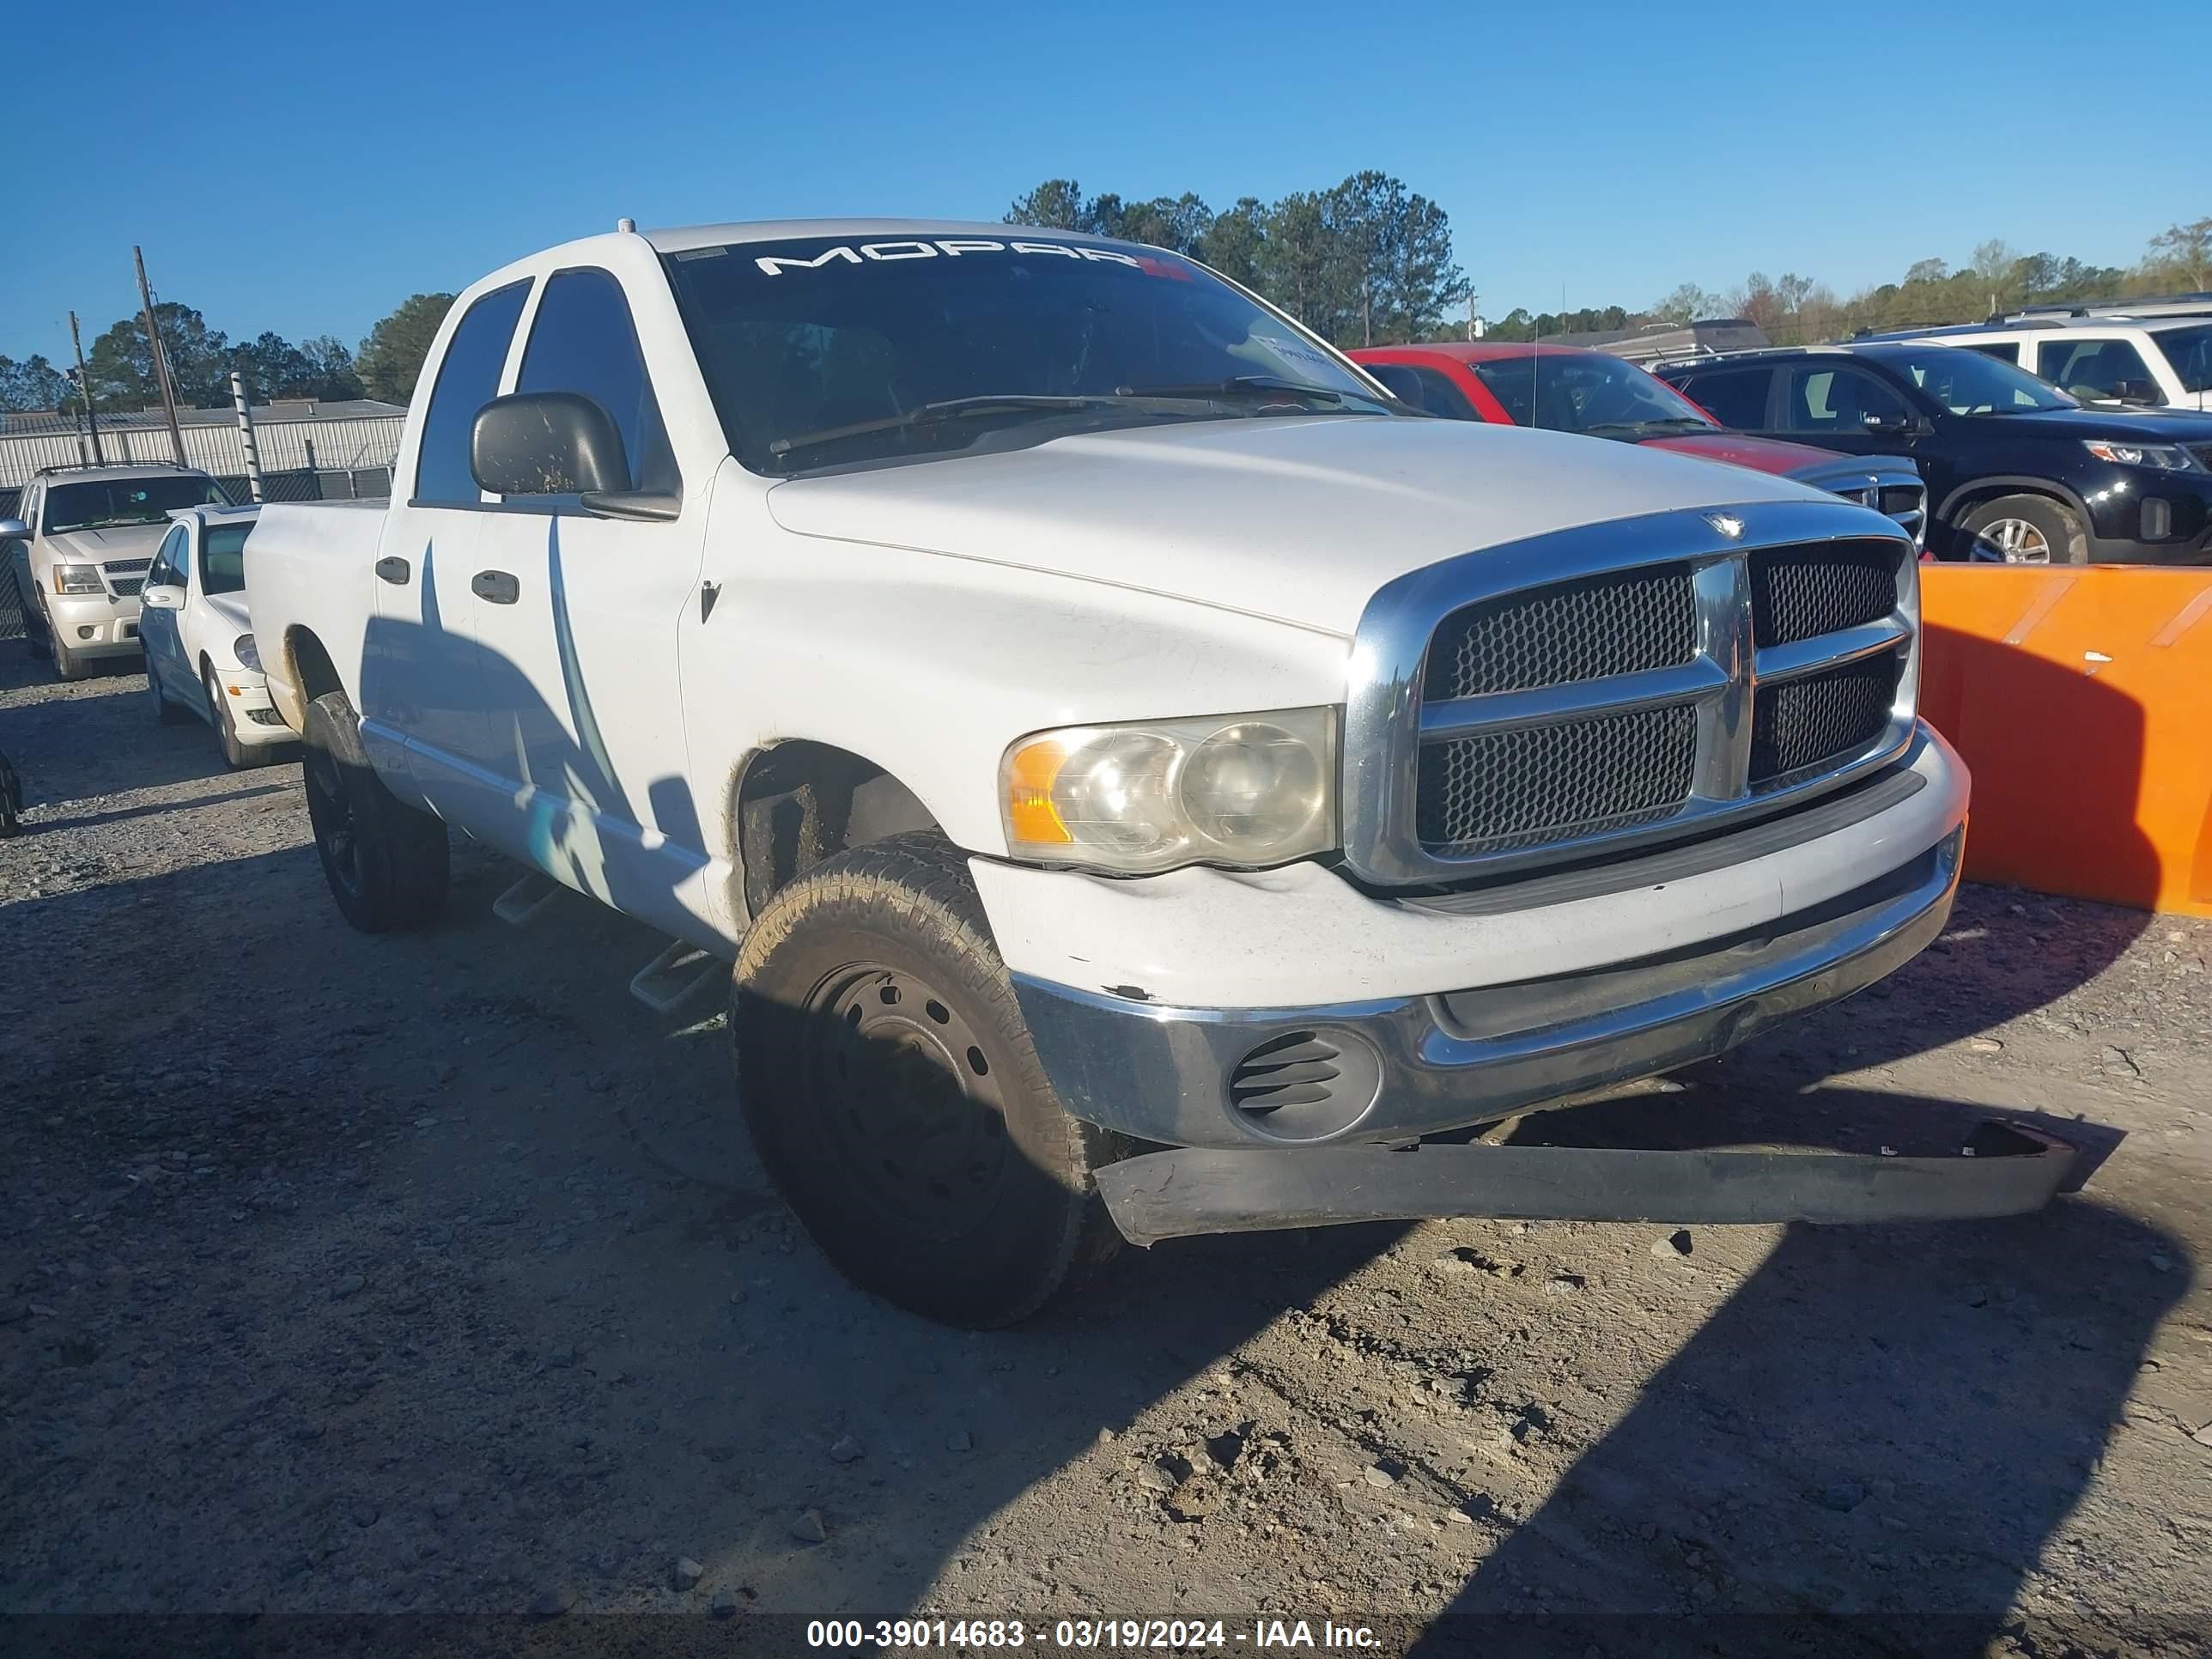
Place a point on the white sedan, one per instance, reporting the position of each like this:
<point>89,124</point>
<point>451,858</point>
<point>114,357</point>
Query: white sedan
<point>200,657</point>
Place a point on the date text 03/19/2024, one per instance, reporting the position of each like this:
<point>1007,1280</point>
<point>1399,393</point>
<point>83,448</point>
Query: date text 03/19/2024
<point>1072,1635</point>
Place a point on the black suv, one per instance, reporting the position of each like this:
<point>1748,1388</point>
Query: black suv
<point>2017,470</point>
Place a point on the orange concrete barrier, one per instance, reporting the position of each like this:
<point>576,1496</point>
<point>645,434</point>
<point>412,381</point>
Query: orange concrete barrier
<point>2082,700</point>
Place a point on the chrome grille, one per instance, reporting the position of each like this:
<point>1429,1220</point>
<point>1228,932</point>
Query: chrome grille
<point>1535,784</point>
<point>1604,687</point>
<point>1621,623</point>
<point>1800,593</point>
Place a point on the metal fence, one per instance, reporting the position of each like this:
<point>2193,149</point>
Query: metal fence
<point>341,456</point>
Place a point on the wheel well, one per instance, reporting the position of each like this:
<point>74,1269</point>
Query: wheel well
<point>313,671</point>
<point>801,802</point>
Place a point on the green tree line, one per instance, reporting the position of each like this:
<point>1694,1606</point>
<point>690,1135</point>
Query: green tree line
<point>120,363</point>
<point>1366,261</point>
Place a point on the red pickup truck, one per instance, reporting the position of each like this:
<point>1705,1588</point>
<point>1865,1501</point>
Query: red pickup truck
<point>1572,389</point>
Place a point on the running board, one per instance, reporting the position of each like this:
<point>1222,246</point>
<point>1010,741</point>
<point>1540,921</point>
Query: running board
<point>524,902</point>
<point>674,976</point>
<point>2004,1169</point>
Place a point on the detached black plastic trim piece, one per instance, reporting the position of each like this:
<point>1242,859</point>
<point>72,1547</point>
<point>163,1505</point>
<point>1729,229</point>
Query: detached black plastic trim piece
<point>2005,1168</point>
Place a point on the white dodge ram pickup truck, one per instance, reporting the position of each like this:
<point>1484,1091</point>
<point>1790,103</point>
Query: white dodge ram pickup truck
<point>1127,753</point>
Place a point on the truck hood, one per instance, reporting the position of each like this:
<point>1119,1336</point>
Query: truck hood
<point>131,541</point>
<point>1299,518</point>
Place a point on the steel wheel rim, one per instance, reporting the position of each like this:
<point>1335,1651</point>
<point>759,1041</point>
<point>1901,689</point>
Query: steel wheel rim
<point>908,1102</point>
<point>2011,541</point>
<point>337,833</point>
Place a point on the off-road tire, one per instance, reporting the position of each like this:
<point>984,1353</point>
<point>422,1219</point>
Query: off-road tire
<point>997,1247</point>
<point>239,757</point>
<point>2062,529</point>
<point>386,863</point>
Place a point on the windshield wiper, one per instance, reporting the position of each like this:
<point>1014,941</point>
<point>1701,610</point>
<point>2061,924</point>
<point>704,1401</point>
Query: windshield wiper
<point>1239,386</point>
<point>946,409</point>
<point>1669,423</point>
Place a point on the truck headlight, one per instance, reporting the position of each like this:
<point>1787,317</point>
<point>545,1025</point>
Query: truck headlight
<point>248,657</point>
<point>1238,789</point>
<point>77,578</point>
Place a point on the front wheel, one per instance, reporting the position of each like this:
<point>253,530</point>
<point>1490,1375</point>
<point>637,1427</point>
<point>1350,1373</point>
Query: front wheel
<point>237,756</point>
<point>2024,530</point>
<point>387,864</point>
<point>893,1091</point>
<point>67,666</point>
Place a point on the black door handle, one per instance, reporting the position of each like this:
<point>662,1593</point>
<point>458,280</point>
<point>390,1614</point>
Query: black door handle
<point>495,587</point>
<point>395,571</point>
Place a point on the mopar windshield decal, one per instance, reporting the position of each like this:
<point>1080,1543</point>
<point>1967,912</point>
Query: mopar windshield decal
<point>774,264</point>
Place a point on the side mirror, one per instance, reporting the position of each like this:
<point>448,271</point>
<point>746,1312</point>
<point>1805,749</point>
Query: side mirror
<point>13,530</point>
<point>1886,422</point>
<point>164,598</point>
<point>547,443</point>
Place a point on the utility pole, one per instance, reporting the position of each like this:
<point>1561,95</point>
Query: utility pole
<point>1471,297</point>
<point>160,357</point>
<point>84,392</point>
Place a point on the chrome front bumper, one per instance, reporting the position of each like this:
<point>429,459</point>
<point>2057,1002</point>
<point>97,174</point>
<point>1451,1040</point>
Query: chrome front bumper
<point>1418,1066</point>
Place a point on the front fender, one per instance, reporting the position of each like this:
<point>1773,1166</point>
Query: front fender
<point>929,666</point>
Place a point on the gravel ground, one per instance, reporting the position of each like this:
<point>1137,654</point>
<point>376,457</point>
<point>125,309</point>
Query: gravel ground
<point>435,1275</point>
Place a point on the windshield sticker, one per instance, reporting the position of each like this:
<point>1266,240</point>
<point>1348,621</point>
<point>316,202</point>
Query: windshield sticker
<point>847,254</point>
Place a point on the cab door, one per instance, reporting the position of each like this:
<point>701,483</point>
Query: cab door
<point>422,695</point>
<point>576,616</point>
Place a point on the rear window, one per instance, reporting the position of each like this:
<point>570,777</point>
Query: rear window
<point>2189,351</point>
<point>1737,398</point>
<point>468,379</point>
<point>223,559</point>
<point>1590,392</point>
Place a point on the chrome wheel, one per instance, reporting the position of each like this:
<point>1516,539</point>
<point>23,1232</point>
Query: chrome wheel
<point>2010,541</point>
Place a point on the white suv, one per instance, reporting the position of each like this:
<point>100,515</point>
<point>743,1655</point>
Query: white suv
<point>2161,363</point>
<point>79,553</point>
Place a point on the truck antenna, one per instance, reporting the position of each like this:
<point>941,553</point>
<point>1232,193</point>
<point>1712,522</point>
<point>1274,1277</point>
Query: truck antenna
<point>626,227</point>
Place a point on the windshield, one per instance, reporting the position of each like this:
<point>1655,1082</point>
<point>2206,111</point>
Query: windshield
<point>1968,383</point>
<point>102,503</point>
<point>826,353</point>
<point>223,559</point>
<point>1575,391</point>
<point>2189,351</point>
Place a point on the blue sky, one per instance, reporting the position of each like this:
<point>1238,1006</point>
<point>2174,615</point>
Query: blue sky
<point>304,169</point>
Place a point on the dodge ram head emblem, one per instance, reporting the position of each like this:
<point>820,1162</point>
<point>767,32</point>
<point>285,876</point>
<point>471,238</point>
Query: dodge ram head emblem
<point>1727,524</point>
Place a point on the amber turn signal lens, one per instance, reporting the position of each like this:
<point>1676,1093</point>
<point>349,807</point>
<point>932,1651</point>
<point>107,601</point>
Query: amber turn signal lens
<point>1030,814</point>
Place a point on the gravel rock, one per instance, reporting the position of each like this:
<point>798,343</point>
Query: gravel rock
<point>553,1600</point>
<point>2118,1062</point>
<point>959,1441</point>
<point>724,1602</point>
<point>687,1573</point>
<point>847,1449</point>
<point>808,1528</point>
<point>1842,1496</point>
<point>444,1504</point>
<point>1378,1475</point>
<point>346,1285</point>
<point>1675,1244</point>
<point>1984,1045</point>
